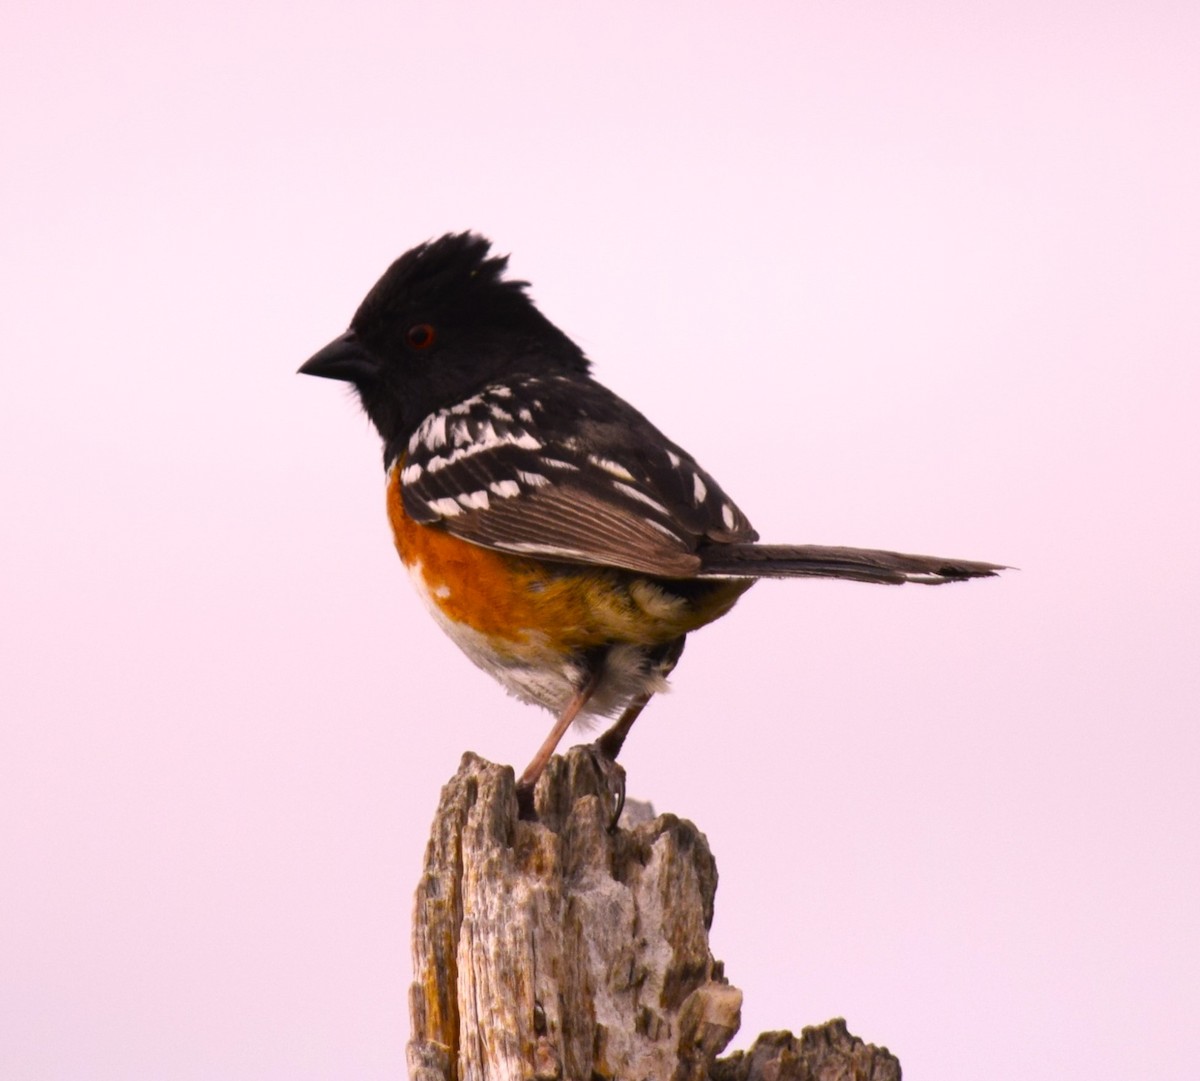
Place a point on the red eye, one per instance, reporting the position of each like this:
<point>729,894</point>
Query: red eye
<point>420,336</point>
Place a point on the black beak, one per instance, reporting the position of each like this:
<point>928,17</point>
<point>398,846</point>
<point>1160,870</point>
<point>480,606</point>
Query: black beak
<point>343,358</point>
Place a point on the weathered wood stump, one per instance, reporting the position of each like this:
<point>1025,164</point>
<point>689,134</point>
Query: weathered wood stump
<point>558,949</point>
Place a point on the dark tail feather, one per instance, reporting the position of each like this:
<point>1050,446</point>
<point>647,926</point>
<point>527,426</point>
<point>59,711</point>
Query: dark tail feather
<point>820,561</point>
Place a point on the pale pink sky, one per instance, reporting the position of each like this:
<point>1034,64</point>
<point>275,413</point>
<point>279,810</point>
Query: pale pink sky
<point>920,275</point>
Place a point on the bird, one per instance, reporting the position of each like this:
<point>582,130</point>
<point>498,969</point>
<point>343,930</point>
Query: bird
<point>563,542</point>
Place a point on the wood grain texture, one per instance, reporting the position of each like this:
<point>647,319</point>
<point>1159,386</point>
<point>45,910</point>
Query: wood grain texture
<point>557,949</point>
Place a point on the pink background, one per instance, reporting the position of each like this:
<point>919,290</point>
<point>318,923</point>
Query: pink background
<point>919,275</point>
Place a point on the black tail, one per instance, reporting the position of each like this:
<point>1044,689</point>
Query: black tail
<point>820,561</point>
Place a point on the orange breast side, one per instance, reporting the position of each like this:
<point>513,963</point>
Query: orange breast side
<point>494,593</point>
<point>509,597</point>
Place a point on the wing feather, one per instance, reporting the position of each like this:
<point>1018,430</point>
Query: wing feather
<point>576,475</point>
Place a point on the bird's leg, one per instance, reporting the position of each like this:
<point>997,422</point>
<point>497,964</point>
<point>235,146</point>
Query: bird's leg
<point>664,658</point>
<point>608,746</point>
<point>611,742</point>
<point>533,771</point>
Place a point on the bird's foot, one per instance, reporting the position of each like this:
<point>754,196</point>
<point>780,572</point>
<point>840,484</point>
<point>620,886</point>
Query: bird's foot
<point>612,777</point>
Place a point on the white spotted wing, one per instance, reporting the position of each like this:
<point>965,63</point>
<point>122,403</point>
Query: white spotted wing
<point>562,469</point>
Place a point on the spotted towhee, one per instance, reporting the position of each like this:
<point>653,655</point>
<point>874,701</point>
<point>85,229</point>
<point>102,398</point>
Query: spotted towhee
<point>565,544</point>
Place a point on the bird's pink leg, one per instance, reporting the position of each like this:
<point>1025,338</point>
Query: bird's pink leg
<point>534,770</point>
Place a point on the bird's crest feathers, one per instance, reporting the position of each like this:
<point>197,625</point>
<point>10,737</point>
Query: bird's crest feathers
<point>455,265</point>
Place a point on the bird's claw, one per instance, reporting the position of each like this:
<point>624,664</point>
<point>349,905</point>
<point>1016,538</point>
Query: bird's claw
<point>612,774</point>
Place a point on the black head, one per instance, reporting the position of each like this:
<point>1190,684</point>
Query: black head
<point>440,325</point>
